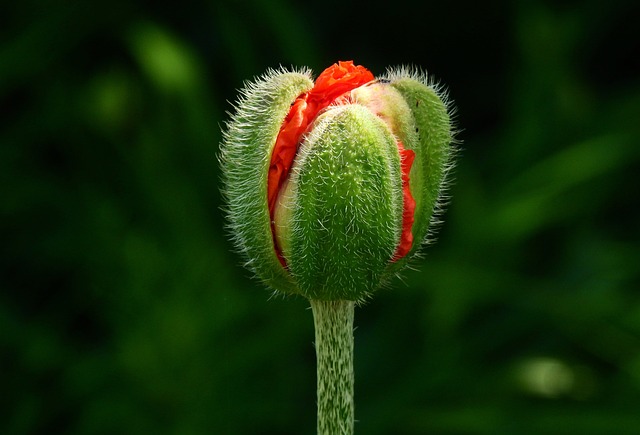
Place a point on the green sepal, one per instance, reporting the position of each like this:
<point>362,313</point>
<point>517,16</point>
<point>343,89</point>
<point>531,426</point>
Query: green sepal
<point>345,206</point>
<point>245,156</point>
<point>430,137</point>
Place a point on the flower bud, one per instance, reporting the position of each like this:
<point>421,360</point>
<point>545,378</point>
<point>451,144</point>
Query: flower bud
<point>331,186</point>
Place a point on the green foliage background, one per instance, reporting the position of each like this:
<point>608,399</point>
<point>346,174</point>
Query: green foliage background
<point>122,309</point>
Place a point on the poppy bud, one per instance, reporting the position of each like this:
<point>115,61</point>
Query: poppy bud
<point>331,186</point>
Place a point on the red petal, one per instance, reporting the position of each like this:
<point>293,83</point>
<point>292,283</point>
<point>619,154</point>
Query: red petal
<point>339,78</point>
<point>409,204</point>
<point>284,151</point>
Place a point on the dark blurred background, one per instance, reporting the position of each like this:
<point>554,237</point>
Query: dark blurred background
<point>123,310</point>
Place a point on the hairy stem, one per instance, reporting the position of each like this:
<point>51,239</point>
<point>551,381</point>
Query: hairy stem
<point>333,322</point>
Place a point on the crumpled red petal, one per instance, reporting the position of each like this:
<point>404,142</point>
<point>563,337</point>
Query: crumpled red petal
<point>337,79</point>
<point>284,151</point>
<point>409,204</point>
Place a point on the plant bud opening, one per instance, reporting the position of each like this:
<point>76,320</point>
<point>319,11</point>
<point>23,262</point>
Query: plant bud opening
<point>335,86</point>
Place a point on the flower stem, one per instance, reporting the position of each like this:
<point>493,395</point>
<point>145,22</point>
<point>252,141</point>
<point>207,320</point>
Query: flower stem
<point>333,322</point>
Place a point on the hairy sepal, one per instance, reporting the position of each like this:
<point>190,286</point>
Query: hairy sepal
<point>245,156</point>
<point>430,135</point>
<point>344,202</point>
